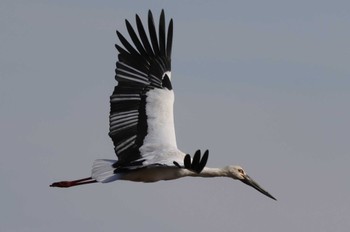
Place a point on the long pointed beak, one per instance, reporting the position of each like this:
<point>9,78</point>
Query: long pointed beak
<point>249,181</point>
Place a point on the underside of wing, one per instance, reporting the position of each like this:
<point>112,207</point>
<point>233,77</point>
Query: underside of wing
<point>141,115</point>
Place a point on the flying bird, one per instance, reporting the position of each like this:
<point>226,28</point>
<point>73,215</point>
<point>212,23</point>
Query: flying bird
<point>141,121</point>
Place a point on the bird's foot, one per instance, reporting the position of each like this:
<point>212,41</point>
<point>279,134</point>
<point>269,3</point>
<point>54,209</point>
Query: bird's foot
<point>67,184</point>
<point>197,163</point>
<point>62,184</point>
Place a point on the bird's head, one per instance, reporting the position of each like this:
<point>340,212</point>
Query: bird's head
<point>238,173</point>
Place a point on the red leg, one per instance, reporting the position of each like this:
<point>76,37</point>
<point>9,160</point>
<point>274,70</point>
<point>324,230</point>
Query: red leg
<point>67,184</point>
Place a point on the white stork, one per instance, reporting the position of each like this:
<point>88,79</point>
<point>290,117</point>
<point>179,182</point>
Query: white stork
<point>141,121</point>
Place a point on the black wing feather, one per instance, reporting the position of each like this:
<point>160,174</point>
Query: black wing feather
<point>153,33</point>
<point>135,39</point>
<point>162,34</point>
<point>143,36</point>
<point>126,44</point>
<point>169,41</point>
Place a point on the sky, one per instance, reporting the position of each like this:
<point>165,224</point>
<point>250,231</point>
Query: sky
<point>261,84</point>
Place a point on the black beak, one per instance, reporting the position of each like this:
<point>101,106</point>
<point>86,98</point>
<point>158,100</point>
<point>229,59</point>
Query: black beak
<point>249,181</point>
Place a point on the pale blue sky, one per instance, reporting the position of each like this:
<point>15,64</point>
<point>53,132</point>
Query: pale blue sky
<point>262,84</point>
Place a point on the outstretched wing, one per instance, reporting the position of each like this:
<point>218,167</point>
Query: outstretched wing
<point>141,115</point>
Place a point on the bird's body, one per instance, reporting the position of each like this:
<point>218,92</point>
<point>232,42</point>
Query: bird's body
<point>142,118</point>
<point>154,174</point>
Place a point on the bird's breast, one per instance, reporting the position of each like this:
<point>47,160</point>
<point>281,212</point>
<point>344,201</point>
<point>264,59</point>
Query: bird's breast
<point>154,174</point>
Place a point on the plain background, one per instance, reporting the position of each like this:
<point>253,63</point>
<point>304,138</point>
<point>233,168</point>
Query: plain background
<point>262,84</point>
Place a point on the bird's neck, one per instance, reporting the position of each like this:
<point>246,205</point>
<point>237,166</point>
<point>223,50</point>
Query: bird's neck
<point>212,172</point>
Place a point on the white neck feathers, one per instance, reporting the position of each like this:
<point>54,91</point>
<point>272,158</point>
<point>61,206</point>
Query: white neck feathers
<point>210,172</point>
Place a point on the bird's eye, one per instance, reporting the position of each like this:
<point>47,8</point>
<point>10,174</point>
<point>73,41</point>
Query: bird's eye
<point>240,170</point>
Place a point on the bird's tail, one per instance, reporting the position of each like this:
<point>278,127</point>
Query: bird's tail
<point>103,171</point>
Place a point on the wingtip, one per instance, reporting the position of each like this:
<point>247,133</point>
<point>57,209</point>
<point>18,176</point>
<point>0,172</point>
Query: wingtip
<point>150,13</point>
<point>162,14</point>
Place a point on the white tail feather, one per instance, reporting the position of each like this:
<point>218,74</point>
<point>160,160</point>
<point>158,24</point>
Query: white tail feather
<point>103,171</point>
